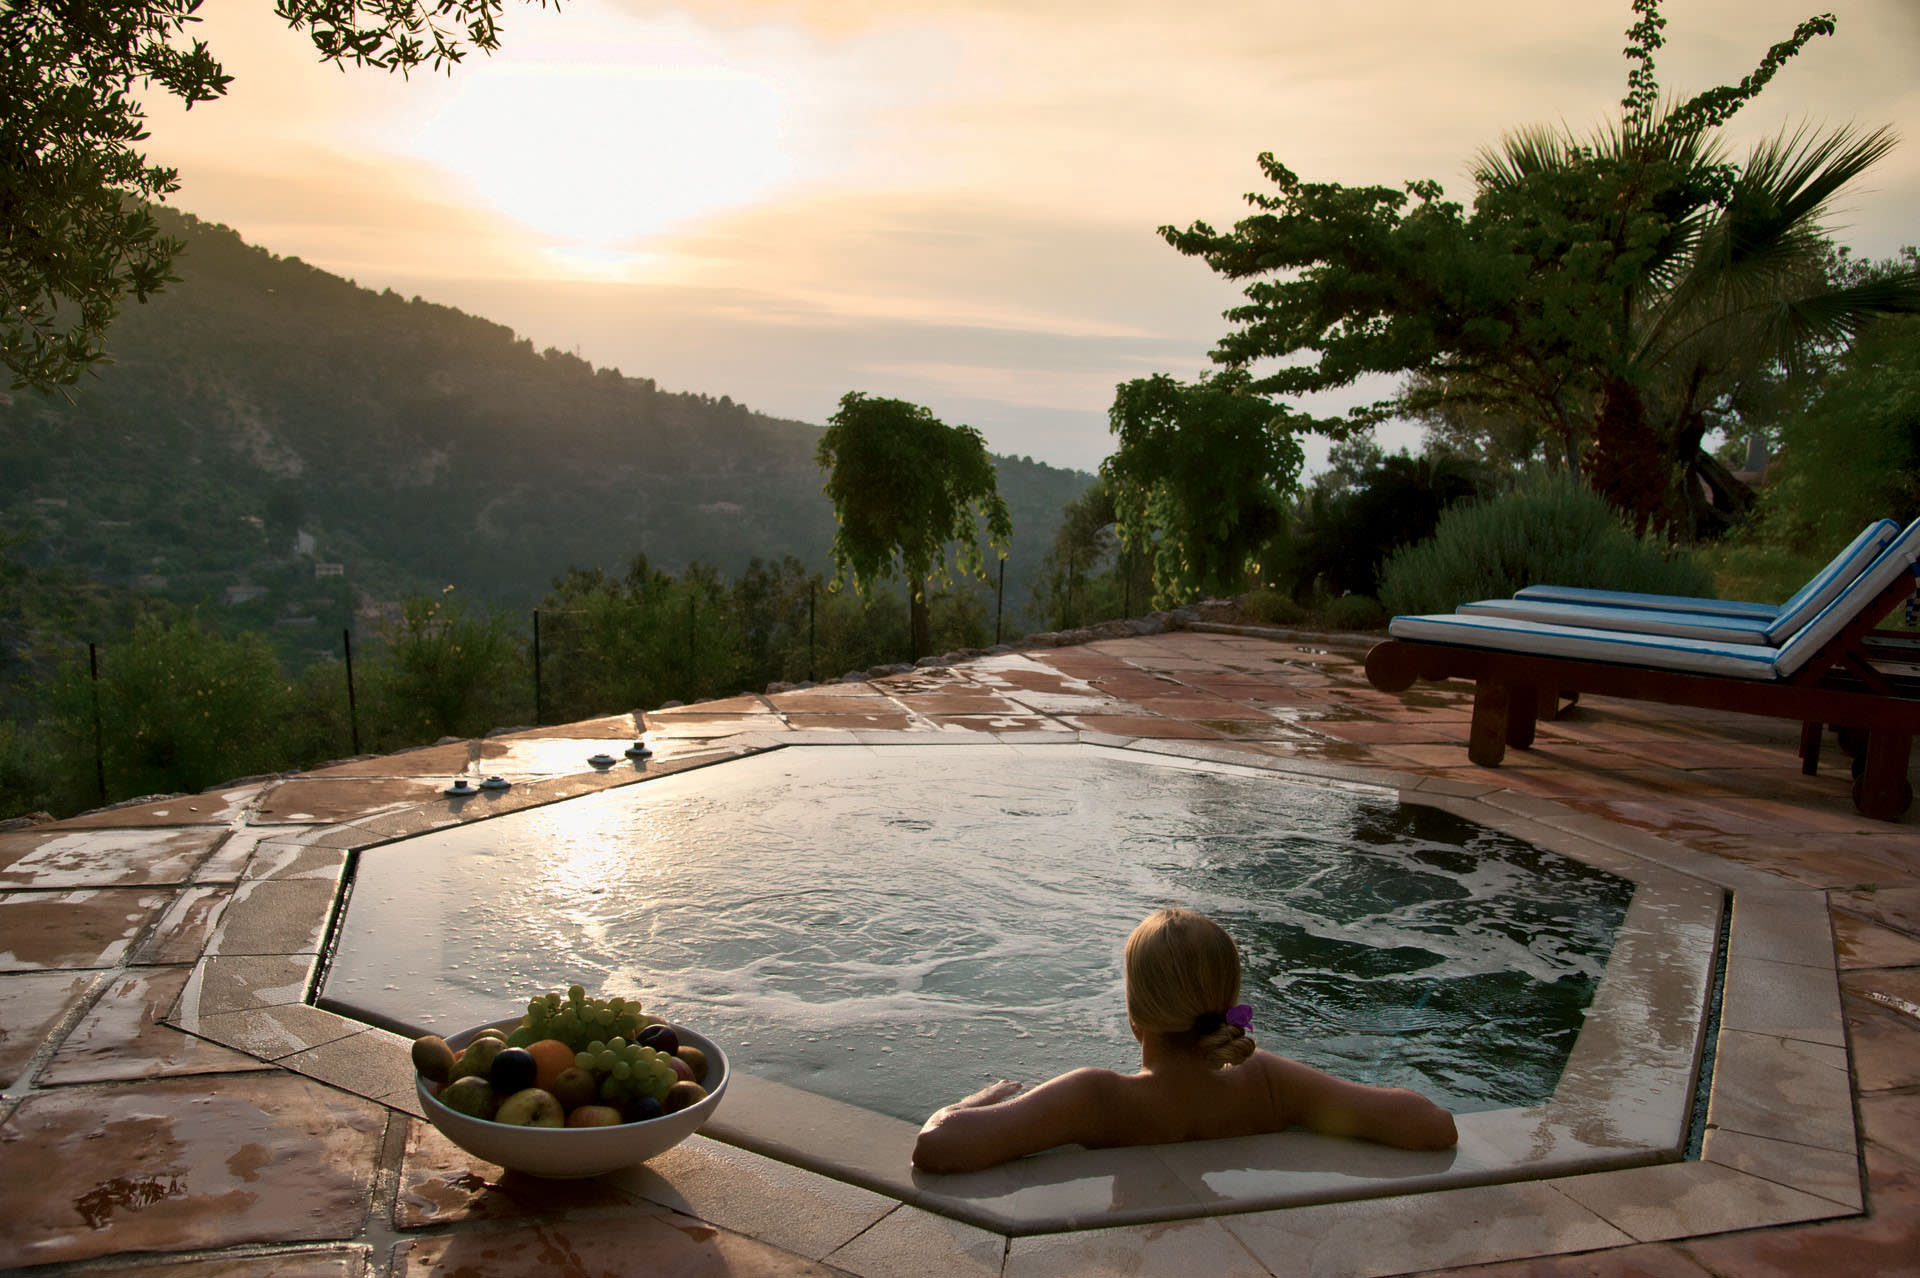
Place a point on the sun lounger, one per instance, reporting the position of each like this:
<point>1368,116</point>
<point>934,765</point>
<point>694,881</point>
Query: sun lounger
<point>1686,617</point>
<point>1833,670</point>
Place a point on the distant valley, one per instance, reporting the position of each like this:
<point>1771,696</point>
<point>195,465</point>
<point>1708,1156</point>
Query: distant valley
<point>283,448</point>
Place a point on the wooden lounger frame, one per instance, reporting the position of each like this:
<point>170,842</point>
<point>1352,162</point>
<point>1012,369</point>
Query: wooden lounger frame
<point>1840,685</point>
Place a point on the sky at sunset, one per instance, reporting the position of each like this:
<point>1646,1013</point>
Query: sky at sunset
<point>952,202</point>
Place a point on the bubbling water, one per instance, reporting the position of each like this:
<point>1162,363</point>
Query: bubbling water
<point>897,926</point>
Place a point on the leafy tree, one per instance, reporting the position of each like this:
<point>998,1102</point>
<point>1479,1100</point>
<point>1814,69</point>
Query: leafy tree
<point>1088,575</point>
<point>1200,478</point>
<point>903,485</point>
<point>1373,504</point>
<point>1608,292</point>
<point>446,670</point>
<point>77,235</point>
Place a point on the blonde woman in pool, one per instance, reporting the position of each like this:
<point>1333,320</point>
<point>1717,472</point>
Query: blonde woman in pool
<point>1200,1078</point>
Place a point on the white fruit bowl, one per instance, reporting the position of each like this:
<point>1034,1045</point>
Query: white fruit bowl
<point>571,1152</point>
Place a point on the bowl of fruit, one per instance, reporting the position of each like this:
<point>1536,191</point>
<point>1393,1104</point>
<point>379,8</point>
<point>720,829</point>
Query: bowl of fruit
<point>577,1086</point>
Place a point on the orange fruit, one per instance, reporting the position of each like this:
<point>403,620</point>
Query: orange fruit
<point>550,1057</point>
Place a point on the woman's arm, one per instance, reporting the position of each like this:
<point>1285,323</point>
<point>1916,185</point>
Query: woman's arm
<point>1389,1115</point>
<point>994,1124</point>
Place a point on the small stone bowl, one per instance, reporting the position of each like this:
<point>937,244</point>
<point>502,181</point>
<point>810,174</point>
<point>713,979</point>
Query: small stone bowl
<point>565,1153</point>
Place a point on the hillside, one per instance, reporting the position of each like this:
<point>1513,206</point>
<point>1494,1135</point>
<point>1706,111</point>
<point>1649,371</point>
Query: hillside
<point>265,421</point>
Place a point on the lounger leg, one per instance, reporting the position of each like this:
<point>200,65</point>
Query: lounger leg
<point>1810,733</point>
<point>1487,738</point>
<point>1882,791</point>
<point>1523,710</point>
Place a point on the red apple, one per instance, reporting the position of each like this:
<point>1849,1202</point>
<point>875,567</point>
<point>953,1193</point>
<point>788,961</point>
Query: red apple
<point>594,1116</point>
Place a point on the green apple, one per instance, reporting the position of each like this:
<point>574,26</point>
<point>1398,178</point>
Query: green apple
<point>531,1107</point>
<point>470,1095</point>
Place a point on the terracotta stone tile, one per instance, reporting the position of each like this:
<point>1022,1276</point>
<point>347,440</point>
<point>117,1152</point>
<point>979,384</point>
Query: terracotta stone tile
<point>121,1036</point>
<point>706,728</point>
<point>73,929</point>
<point>1377,732</point>
<point>307,1262</point>
<point>229,861</point>
<point>56,858</point>
<point>296,859</point>
<point>1885,1044</point>
<point>894,718</point>
<point>31,1005</point>
<point>372,1063</point>
<point>184,930</point>
<point>514,757</point>
<point>275,916</point>
<point>1826,860</point>
<point>174,1165</point>
<point>1894,907</point>
<point>273,1032</point>
<point>661,1245</point>
<point>222,808</point>
<point>996,722</point>
<point>607,728</point>
<point>441,1184</point>
<point>426,761</point>
<point>244,981</point>
<point>1882,1242</point>
<point>326,800</point>
<point>1126,725</point>
<point>1647,1260</point>
<point>1863,943</point>
<point>1192,708</point>
<point>1891,1120</point>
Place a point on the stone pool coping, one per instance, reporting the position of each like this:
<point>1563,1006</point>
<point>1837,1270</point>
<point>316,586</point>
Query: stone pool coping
<point>1779,1146</point>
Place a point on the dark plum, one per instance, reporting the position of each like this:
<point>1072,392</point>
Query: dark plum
<point>644,1108</point>
<point>514,1069</point>
<point>660,1038</point>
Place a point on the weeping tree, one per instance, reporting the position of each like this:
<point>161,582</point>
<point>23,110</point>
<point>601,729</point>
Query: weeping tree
<point>1200,479</point>
<point>1604,296</point>
<point>904,484</point>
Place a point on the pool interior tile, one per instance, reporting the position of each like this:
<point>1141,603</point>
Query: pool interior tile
<point>910,1243</point>
<point>1765,1085</point>
<point>1683,1200</point>
<point>122,1037</point>
<point>1825,1173</point>
<point>1421,1232</point>
<point>787,1206</point>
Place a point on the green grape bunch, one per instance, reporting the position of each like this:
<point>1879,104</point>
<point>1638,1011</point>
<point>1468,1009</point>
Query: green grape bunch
<point>627,1071</point>
<point>579,1021</point>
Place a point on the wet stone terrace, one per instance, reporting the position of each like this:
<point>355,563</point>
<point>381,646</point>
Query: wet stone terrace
<point>171,1105</point>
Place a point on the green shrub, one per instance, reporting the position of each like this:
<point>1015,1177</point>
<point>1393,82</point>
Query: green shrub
<point>1550,529</point>
<point>1268,607</point>
<point>1354,612</point>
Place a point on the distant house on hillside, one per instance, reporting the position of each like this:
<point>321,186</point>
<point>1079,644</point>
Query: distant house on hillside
<point>244,594</point>
<point>329,570</point>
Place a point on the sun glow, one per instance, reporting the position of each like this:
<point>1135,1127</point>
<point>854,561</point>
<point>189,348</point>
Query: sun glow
<point>602,155</point>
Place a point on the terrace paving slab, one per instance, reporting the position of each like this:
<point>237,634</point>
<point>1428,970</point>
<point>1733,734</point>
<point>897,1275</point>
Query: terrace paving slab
<point>77,928</point>
<point>172,1165</point>
<point>668,1245</point>
<point>122,1036</point>
<point>1717,796</point>
<point>116,858</point>
<point>31,1005</point>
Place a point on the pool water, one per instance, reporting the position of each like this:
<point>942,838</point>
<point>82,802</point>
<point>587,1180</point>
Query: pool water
<point>897,926</point>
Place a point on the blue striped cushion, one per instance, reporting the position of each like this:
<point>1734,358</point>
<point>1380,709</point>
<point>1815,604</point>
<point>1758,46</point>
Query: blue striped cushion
<point>1649,621</point>
<point>1893,561</point>
<point>1503,634</point>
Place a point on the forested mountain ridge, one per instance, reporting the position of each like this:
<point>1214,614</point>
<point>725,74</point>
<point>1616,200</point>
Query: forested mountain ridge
<point>415,446</point>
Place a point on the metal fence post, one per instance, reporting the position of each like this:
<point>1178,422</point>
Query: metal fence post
<point>99,737</point>
<point>810,654</point>
<point>539,702</point>
<point>1000,599</point>
<point>353,708</point>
